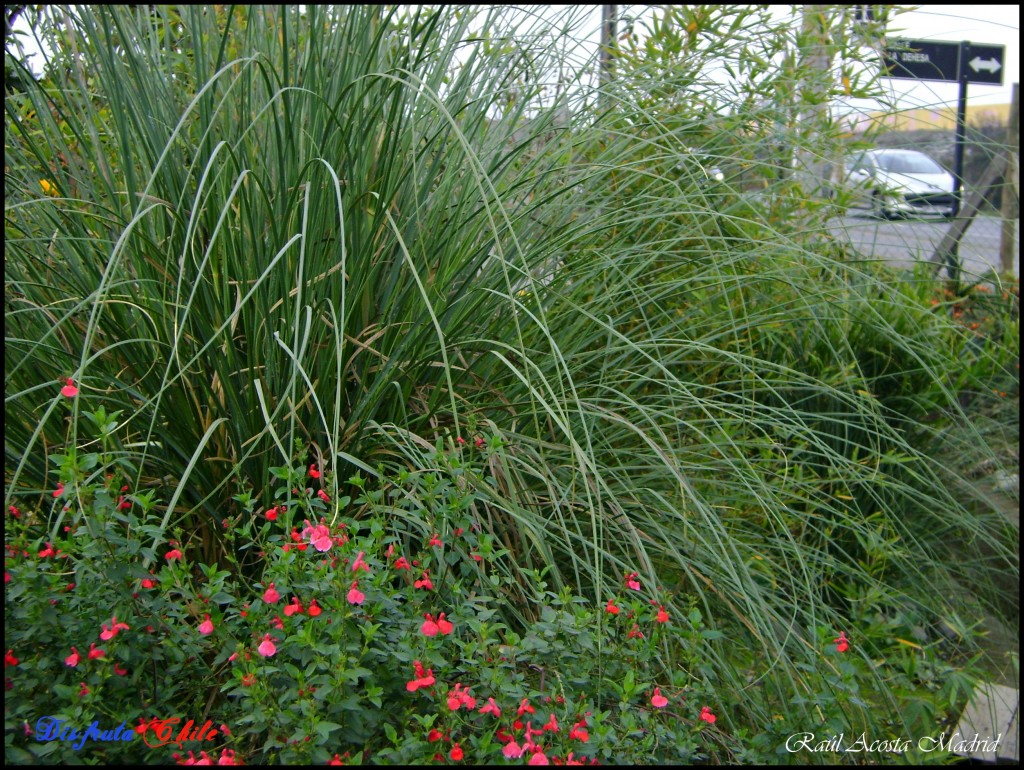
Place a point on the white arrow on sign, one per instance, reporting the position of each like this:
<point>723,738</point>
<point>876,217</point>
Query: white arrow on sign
<point>978,64</point>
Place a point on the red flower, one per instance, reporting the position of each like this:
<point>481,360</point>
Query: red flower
<point>107,634</point>
<point>313,472</point>
<point>436,541</point>
<point>707,716</point>
<point>93,652</point>
<point>270,596</point>
<point>325,497</point>
<point>443,625</point>
<point>635,633</point>
<point>277,623</point>
<point>314,609</point>
<point>611,608</point>
<point>662,615</point>
<point>402,563</point>
<point>248,680</point>
<point>355,596</point>
<point>271,514</point>
<point>456,753</point>
<point>579,732</point>
<point>422,679</point>
<point>69,390</point>
<point>842,643</point>
<point>551,724</point>
<point>424,583</point>
<point>294,607</point>
<point>335,760</point>
<point>148,583</point>
<point>267,647</point>
<point>460,697</point>
<point>173,554</point>
<point>59,490</point>
<point>206,627</point>
<point>479,442</point>
<point>10,660</point>
<point>434,736</point>
<point>120,671</point>
<point>658,700</point>
<point>83,691</point>
<point>460,440</point>
<point>525,708</point>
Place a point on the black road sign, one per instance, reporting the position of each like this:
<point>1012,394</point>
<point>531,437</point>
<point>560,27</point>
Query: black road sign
<point>939,60</point>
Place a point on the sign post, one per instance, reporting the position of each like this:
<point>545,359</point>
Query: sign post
<point>962,63</point>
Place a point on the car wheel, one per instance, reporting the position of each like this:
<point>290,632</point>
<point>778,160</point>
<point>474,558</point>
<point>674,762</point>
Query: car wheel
<point>878,209</point>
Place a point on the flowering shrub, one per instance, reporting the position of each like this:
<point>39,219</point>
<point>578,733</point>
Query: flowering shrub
<point>350,640</point>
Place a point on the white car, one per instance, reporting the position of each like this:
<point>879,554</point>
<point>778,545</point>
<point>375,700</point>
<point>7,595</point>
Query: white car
<point>901,182</point>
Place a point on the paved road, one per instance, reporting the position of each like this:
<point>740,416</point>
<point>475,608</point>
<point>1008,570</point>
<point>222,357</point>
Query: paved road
<point>903,242</point>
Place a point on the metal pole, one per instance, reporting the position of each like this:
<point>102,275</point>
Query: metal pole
<point>1010,204</point>
<point>609,15</point>
<point>961,123</point>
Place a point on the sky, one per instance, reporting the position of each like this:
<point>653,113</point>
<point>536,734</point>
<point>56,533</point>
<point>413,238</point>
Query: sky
<point>985,24</point>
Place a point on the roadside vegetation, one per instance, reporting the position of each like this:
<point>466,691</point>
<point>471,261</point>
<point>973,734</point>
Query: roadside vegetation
<point>380,389</point>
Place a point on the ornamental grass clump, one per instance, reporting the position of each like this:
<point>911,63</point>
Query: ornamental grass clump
<point>413,272</point>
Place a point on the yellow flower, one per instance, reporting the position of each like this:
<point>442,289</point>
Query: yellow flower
<point>48,187</point>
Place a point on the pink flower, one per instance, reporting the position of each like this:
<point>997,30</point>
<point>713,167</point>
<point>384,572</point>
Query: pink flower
<point>323,496</point>
<point>460,440</point>
<point>206,627</point>
<point>314,609</point>
<point>270,596</point>
<point>319,536</point>
<point>424,583</point>
<point>69,390</point>
<point>632,582</point>
<point>842,643</point>
<point>173,554</point>
<point>658,700</point>
<point>490,708</point>
<point>707,716</point>
<point>538,758</point>
<point>59,490</point>
<point>294,607</point>
<point>93,652</point>
<point>429,627</point>
<point>611,608</point>
<point>360,564</point>
<point>355,596</point>
<point>73,659</point>
<point>512,750</point>
<point>267,646</point>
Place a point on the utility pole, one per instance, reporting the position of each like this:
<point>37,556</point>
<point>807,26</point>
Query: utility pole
<point>815,62</point>
<point>1010,206</point>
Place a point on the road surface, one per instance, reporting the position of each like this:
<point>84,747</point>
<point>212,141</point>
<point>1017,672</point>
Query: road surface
<point>903,242</point>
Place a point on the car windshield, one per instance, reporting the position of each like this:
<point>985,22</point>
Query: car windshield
<point>908,163</point>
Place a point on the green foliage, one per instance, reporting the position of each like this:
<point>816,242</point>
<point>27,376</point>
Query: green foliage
<point>368,241</point>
